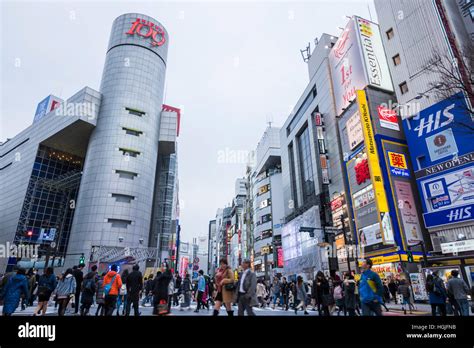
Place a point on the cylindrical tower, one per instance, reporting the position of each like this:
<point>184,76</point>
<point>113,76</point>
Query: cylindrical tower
<point>115,200</point>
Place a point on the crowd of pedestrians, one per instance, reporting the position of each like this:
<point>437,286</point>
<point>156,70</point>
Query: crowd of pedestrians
<point>326,294</point>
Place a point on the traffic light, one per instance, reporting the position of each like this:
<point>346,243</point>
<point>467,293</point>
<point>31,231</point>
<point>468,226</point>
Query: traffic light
<point>82,260</point>
<point>410,257</point>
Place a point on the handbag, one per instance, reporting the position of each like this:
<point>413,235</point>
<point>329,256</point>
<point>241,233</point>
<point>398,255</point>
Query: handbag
<point>229,287</point>
<point>162,307</point>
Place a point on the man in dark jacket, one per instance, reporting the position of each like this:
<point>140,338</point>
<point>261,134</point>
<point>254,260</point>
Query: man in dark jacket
<point>134,286</point>
<point>79,276</point>
<point>148,289</point>
<point>160,288</point>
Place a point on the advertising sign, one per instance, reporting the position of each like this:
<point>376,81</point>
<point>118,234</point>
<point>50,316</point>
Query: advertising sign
<point>374,55</point>
<point>449,216</point>
<point>320,132</point>
<point>398,164</point>
<point>47,234</point>
<point>442,145</point>
<point>45,106</point>
<point>388,118</point>
<point>440,132</point>
<point>318,120</point>
<point>357,60</point>
<point>147,29</point>
<point>370,235</point>
<point>418,285</point>
<point>280,262</point>
<point>457,247</point>
<point>372,154</point>
<point>408,213</point>
<point>354,131</point>
<point>183,266</point>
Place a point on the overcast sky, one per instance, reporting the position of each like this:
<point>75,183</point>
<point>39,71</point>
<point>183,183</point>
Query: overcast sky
<point>232,67</point>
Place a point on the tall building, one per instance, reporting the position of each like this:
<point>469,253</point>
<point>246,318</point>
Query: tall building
<point>268,210</point>
<point>236,231</point>
<point>430,55</point>
<point>380,184</point>
<point>82,184</point>
<point>310,160</point>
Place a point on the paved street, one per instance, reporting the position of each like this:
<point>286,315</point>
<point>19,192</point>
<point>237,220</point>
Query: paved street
<point>394,310</point>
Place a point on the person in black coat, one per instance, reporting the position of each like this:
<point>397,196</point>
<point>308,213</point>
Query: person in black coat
<point>322,295</point>
<point>177,290</point>
<point>134,286</point>
<point>89,288</point>
<point>160,288</point>
<point>349,287</point>
<point>79,276</point>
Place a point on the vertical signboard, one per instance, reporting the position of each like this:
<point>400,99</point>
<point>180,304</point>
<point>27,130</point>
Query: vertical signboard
<point>375,170</point>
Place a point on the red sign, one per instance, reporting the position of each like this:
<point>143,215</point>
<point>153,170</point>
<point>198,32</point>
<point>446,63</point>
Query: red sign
<point>337,203</point>
<point>178,112</point>
<point>280,257</point>
<point>151,31</point>
<point>362,171</point>
<point>318,119</point>
<point>388,118</point>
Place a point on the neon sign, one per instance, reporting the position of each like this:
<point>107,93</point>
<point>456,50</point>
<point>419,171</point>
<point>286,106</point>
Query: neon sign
<point>152,31</point>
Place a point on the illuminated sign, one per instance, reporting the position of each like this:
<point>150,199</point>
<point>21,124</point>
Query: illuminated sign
<point>357,60</point>
<point>280,262</point>
<point>398,164</point>
<point>372,154</point>
<point>388,118</point>
<point>150,30</point>
<point>362,171</point>
<point>354,131</point>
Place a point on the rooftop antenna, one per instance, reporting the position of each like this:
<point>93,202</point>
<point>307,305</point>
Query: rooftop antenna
<point>306,53</point>
<point>316,41</point>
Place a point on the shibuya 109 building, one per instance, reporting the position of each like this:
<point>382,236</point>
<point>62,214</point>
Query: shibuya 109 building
<point>94,179</point>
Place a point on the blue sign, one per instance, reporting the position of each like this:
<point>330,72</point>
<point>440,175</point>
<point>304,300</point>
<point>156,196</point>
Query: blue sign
<point>440,132</point>
<point>42,109</point>
<point>449,216</point>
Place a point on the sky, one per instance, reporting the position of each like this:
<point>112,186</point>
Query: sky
<point>232,67</point>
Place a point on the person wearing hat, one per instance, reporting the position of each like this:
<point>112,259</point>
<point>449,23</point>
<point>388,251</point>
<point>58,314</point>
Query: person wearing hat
<point>246,290</point>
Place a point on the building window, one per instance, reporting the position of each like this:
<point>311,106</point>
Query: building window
<point>119,223</point>
<point>390,33</point>
<point>135,112</point>
<point>129,152</point>
<point>291,157</point>
<point>403,87</point>
<point>131,131</point>
<point>396,60</point>
<point>301,110</point>
<point>306,165</point>
<point>125,174</point>
<point>122,198</point>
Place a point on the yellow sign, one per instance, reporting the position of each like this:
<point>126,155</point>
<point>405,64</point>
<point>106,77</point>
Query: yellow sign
<point>397,160</point>
<point>392,258</point>
<point>372,154</point>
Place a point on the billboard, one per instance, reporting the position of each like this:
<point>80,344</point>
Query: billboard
<point>407,212</point>
<point>442,151</point>
<point>45,106</point>
<point>358,60</point>
<point>440,132</point>
<point>354,132</point>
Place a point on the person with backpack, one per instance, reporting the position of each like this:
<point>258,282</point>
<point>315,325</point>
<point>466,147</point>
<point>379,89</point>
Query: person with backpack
<point>16,287</point>
<point>99,295</point>
<point>339,298</point>
<point>437,293</point>
<point>370,290</point>
<point>301,294</point>
<point>112,285</point>
<point>46,285</point>
<point>87,294</point>
<point>65,290</point>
